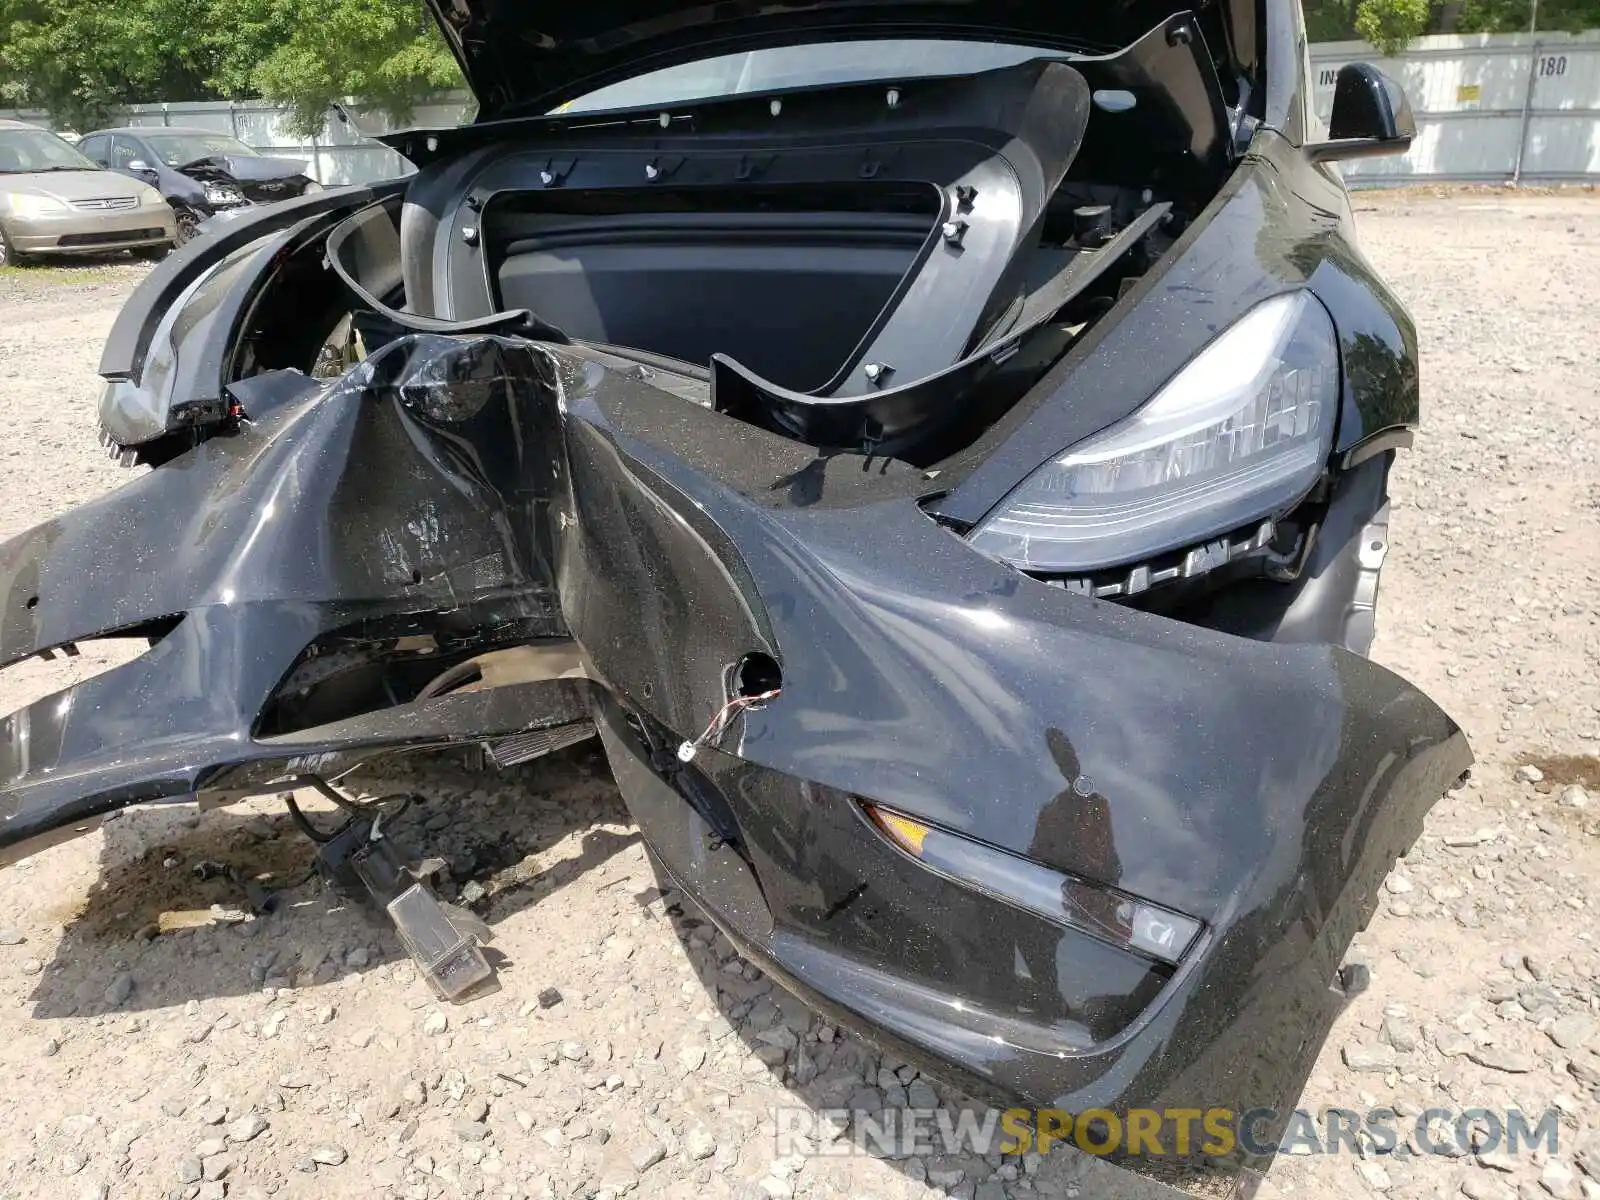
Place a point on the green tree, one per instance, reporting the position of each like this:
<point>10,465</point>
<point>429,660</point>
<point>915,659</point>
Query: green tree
<point>1330,20</point>
<point>389,53</point>
<point>1513,16</point>
<point>80,58</point>
<point>1391,24</point>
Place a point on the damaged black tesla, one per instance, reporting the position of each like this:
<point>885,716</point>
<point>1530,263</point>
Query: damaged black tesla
<point>940,450</point>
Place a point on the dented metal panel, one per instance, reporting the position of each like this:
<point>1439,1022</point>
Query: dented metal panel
<point>1262,789</point>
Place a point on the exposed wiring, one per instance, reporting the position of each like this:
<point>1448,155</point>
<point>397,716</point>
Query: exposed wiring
<point>338,797</point>
<point>722,721</point>
<point>304,822</point>
<point>345,804</point>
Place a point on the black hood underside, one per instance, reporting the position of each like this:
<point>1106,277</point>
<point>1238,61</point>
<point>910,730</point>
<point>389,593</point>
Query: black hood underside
<point>525,57</point>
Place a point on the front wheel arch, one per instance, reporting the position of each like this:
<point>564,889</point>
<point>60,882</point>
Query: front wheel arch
<point>10,256</point>
<point>188,222</point>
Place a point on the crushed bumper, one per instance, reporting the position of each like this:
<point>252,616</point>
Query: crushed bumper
<point>1261,789</point>
<point>1236,1028</point>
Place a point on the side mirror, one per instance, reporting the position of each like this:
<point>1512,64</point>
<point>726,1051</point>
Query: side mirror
<point>1371,116</point>
<point>139,165</point>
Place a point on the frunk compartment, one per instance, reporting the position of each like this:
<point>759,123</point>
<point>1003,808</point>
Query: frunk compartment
<point>787,280</point>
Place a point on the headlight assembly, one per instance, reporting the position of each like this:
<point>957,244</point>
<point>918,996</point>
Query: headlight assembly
<point>1241,433</point>
<point>221,193</point>
<point>26,204</point>
<point>150,198</point>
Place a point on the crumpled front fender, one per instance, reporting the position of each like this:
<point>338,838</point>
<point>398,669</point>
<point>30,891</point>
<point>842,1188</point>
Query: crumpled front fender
<point>334,509</point>
<point>482,492</point>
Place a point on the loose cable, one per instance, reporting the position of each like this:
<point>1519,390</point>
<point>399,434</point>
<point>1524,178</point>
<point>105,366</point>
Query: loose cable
<point>722,721</point>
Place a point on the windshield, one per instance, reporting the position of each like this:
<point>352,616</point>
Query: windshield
<point>176,149</point>
<point>23,150</point>
<point>806,66</point>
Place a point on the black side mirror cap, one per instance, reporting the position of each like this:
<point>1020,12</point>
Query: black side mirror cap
<point>1371,116</point>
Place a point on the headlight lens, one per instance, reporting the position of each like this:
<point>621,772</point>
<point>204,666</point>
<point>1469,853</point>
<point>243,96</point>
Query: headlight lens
<point>26,204</point>
<point>1238,434</point>
<point>220,193</point>
<point>149,197</point>
<point>312,187</point>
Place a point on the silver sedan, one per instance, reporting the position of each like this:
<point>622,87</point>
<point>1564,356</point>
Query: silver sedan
<point>53,200</point>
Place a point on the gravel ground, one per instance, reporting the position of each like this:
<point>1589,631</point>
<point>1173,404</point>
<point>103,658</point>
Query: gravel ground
<point>160,1044</point>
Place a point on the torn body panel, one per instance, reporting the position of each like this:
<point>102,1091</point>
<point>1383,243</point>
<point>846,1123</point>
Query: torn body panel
<point>333,512</point>
<point>1079,852</point>
<point>486,492</point>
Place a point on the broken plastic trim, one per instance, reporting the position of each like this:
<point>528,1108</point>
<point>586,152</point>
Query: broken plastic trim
<point>1190,563</point>
<point>149,631</point>
<point>162,290</point>
<point>525,747</point>
<point>361,860</point>
<point>90,657</point>
<point>364,251</point>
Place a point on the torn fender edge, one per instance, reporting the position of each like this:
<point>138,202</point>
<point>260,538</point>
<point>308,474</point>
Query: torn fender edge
<point>1262,789</point>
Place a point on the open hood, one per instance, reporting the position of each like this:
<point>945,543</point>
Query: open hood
<point>244,168</point>
<point>527,57</point>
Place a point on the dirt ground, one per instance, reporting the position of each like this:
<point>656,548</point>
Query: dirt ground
<point>159,1041</point>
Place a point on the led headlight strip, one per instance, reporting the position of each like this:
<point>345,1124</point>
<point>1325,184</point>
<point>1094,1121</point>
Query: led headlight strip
<point>1239,435</point>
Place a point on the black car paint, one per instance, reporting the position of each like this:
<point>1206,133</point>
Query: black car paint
<point>526,59</point>
<point>1292,214</point>
<point>1263,787</point>
<point>1261,783</point>
<point>128,344</point>
<point>1280,223</point>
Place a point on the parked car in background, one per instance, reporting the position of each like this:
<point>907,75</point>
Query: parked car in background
<point>53,200</point>
<point>200,172</point>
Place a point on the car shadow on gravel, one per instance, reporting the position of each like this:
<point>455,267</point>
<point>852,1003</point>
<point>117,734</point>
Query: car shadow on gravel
<point>169,918</point>
<point>827,1071</point>
<point>168,921</point>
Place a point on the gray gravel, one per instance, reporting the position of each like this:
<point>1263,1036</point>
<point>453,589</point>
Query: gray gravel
<point>159,1041</point>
